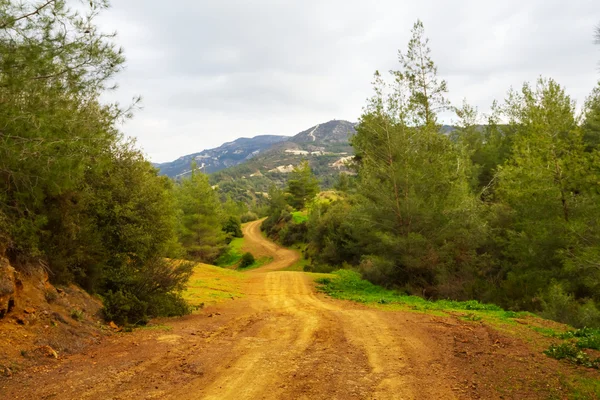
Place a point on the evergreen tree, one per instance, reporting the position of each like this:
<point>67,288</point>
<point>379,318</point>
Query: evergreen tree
<point>201,218</point>
<point>591,122</point>
<point>413,181</point>
<point>550,184</point>
<point>419,72</point>
<point>302,186</point>
<point>73,194</point>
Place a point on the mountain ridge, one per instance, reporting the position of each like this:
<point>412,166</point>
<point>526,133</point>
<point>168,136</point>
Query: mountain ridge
<point>325,139</point>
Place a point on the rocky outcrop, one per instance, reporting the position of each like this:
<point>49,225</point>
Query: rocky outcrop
<point>8,287</point>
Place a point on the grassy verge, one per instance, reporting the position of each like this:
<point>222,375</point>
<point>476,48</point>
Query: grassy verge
<point>210,285</point>
<point>302,262</point>
<point>348,285</point>
<point>258,263</point>
<point>299,217</point>
<point>233,255</point>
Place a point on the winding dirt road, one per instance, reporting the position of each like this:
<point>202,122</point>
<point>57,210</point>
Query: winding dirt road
<point>281,341</point>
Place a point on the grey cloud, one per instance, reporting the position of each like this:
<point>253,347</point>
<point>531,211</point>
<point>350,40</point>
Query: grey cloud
<point>211,71</point>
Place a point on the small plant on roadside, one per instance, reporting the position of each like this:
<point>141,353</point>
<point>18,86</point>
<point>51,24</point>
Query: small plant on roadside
<point>570,352</point>
<point>50,295</point>
<point>77,315</point>
<point>247,260</point>
<point>586,338</point>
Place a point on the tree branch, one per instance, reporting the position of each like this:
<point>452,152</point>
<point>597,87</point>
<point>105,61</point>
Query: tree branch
<point>5,24</point>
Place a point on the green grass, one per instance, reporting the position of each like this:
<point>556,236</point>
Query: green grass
<point>258,263</point>
<point>302,262</point>
<point>582,388</point>
<point>348,285</point>
<point>298,265</point>
<point>299,217</point>
<point>233,255</point>
<point>210,285</point>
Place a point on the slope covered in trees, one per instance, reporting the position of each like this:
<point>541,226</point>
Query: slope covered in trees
<point>76,197</point>
<point>503,209</point>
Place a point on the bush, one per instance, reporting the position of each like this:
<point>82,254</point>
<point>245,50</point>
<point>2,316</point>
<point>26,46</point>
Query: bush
<point>293,233</point>
<point>168,305</point>
<point>124,308</point>
<point>249,217</point>
<point>247,260</point>
<point>572,353</point>
<point>561,306</point>
<point>50,295</point>
<point>77,315</point>
<point>152,291</point>
<point>233,228</point>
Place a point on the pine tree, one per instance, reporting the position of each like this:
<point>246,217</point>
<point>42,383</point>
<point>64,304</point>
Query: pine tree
<point>426,91</point>
<point>591,123</point>
<point>201,218</point>
<point>302,186</point>
<point>413,181</point>
<point>550,184</point>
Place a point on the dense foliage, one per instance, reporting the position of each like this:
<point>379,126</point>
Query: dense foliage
<point>75,196</point>
<point>503,211</point>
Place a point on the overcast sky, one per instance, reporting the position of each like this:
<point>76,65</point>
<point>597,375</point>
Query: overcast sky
<point>210,71</point>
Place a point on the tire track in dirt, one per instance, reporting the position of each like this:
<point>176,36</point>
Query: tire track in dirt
<point>393,364</point>
<point>282,341</point>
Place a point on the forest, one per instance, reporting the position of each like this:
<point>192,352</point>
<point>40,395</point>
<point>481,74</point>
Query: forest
<point>503,209</point>
<point>77,198</point>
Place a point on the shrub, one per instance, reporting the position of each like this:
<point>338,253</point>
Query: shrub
<point>560,306</point>
<point>247,260</point>
<point>168,305</point>
<point>124,308</point>
<point>50,295</point>
<point>233,228</point>
<point>152,291</point>
<point>293,233</point>
<point>77,315</point>
<point>249,217</point>
<point>572,353</point>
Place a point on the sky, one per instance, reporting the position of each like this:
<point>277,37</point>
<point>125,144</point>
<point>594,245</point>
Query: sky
<point>211,71</point>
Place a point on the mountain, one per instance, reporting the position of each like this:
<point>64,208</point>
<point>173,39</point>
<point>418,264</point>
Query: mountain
<point>225,156</point>
<point>324,143</point>
<point>325,146</point>
<point>332,132</point>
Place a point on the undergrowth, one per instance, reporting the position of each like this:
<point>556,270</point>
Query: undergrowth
<point>348,285</point>
<point>575,342</point>
<point>233,255</point>
<point>299,217</point>
<point>572,353</point>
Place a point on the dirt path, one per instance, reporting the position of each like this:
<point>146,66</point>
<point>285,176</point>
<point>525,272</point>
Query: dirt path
<point>281,341</point>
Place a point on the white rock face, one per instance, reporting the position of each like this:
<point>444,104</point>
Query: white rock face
<point>342,162</point>
<point>297,152</point>
<point>284,169</point>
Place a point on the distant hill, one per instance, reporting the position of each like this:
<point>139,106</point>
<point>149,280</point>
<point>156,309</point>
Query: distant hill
<point>323,145</point>
<point>225,156</point>
<point>246,168</point>
<point>326,146</point>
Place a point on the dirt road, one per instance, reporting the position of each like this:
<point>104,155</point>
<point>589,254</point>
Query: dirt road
<point>281,341</point>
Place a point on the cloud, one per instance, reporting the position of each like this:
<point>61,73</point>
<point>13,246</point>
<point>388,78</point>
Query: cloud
<point>212,71</point>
